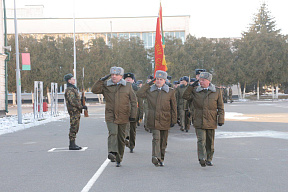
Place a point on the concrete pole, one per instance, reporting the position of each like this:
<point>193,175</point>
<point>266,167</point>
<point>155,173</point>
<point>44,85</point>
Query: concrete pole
<point>74,45</point>
<point>2,65</point>
<point>18,76</point>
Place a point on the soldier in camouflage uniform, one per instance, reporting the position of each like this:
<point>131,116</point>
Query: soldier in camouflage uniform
<point>74,109</point>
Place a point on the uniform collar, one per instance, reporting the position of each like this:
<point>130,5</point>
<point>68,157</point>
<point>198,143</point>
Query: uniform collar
<point>164,88</point>
<point>211,87</point>
<point>121,82</point>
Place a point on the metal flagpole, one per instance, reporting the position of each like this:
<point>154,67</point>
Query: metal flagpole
<point>18,76</point>
<point>74,46</point>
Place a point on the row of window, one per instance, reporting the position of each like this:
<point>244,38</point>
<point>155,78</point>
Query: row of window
<point>148,38</point>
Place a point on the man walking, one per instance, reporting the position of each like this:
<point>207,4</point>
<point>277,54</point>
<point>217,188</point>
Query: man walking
<point>208,112</point>
<point>162,113</point>
<point>121,107</point>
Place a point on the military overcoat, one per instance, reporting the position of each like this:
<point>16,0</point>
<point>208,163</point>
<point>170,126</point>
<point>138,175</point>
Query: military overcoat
<point>162,109</point>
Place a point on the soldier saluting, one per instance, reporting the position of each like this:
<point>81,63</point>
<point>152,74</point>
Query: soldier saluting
<point>162,113</point>
<point>121,107</point>
<point>74,109</point>
<point>208,112</point>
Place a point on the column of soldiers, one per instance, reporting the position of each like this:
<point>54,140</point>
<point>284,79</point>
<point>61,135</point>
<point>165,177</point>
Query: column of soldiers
<point>161,104</point>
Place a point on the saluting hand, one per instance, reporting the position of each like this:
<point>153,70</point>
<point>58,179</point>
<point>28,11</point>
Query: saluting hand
<point>105,78</point>
<point>152,81</point>
<point>195,83</point>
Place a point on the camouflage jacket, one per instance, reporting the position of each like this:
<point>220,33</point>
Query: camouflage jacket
<point>72,99</point>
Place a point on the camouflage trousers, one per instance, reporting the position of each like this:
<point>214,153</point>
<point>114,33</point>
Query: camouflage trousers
<point>74,125</point>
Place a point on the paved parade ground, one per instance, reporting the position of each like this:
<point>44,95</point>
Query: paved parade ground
<point>251,154</point>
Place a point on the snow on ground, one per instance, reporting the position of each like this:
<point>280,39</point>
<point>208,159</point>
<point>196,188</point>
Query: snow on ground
<point>235,115</point>
<point>9,124</point>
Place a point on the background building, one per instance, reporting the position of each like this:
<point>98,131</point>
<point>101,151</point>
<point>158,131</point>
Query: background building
<point>32,22</point>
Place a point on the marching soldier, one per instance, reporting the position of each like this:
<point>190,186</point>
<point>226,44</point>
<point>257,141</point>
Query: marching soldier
<point>130,133</point>
<point>175,84</point>
<point>168,81</point>
<point>182,107</point>
<point>140,105</point>
<point>145,105</point>
<point>74,109</point>
<point>120,109</point>
<point>198,71</point>
<point>208,112</point>
<point>162,113</point>
<point>230,95</point>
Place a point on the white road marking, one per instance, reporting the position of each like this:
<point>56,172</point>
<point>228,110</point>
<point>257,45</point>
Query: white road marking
<point>95,176</point>
<point>65,149</point>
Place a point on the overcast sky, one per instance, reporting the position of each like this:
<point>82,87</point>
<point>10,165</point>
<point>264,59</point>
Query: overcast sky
<point>208,18</point>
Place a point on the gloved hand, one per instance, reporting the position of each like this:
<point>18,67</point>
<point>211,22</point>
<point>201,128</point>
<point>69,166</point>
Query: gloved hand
<point>105,78</point>
<point>152,81</point>
<point>220,124</point>
<point>132,119</point>
<point>171,125</point>
<point>85,107</point>
<point>195,83</point>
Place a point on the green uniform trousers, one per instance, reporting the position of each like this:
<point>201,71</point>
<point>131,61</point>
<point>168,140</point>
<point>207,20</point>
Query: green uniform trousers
<point>187,120</point>
<point>74,125</point>
<point>159,143</point>
<point>145,113</point>
<point>116,139</point>
<point>130,134</point>
<point>182,117</point>
<point>205,143</point>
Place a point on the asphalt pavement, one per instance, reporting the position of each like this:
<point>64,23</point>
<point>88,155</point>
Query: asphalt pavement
<point>250,155</point>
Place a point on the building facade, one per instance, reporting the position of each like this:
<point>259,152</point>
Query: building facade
<point>91,28</point>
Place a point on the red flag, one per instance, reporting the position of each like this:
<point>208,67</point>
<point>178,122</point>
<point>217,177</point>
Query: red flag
<point>160,63</point>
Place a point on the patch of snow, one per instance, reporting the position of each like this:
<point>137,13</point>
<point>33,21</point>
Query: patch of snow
<point>235,115</point>
<point>268,133</point>
<point>9,124</point>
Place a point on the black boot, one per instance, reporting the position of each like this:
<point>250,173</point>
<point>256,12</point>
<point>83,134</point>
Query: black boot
<point>73,146</point>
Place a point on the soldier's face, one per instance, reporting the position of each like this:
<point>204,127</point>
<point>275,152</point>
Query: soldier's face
<point>72,81</point>
<point>116,78</point>
<point>183,83</point>
<point>204,82</point>
<point>129,79</point>
<point>159,82</point>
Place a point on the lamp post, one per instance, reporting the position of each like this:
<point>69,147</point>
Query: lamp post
<point>18,75</point>
<point>74,46</point>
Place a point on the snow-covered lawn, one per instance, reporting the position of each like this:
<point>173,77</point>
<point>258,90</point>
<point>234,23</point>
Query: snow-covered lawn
<point>10,124</point>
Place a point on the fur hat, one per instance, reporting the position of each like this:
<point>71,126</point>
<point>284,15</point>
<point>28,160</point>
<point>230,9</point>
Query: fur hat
<point>161,74</point>
<point>185,78</point>
<point>131,75</point>
<point>117,70</point>
<point>198,71</point>
<point>206,75</point>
